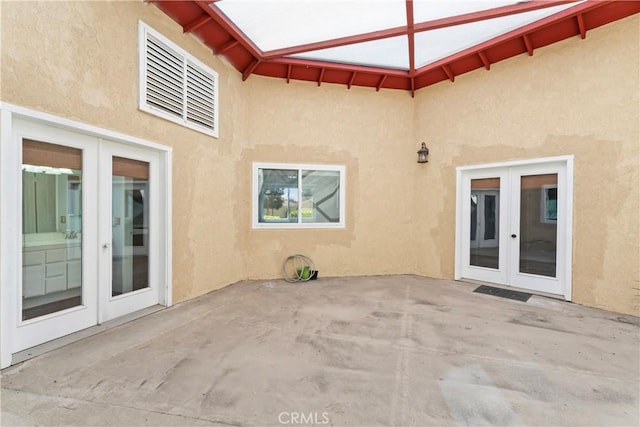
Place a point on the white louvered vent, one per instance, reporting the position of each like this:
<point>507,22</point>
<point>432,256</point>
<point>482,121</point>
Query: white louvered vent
<point>176,86</point>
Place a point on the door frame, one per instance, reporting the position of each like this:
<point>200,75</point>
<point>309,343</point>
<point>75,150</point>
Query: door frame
<point>490,169</point>
<point>10,211</point>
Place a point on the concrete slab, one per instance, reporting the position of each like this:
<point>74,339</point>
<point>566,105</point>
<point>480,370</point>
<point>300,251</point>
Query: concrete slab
<point>392,350</point>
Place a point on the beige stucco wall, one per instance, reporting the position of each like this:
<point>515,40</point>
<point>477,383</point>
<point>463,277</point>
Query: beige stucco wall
<point>577,97</point>
<point>79,60</point>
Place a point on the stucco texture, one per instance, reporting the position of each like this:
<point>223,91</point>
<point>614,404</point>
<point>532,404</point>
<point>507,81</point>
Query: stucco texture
<point>576,97</point>
<point>79,60</point>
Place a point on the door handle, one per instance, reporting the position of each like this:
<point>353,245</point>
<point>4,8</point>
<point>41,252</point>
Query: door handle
<point>513,236</point>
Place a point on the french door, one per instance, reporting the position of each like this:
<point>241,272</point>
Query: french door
<point>514,225</point>
<point>91,240</point>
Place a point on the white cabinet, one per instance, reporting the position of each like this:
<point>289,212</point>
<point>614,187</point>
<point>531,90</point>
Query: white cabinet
<point>47,269</point>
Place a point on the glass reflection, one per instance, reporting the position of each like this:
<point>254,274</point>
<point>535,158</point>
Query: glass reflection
<point>538,224</point>
<point>485,208</point>
<point>130,226</point>
<point>51,228</point>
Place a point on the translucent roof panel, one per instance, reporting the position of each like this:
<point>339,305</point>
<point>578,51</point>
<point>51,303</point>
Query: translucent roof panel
<point>388,53</point>
<point>428,10</point>
<point>430,46</point>
<point>275,24</point>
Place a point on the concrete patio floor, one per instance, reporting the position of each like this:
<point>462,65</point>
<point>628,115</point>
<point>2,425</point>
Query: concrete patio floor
<point>390,350</point>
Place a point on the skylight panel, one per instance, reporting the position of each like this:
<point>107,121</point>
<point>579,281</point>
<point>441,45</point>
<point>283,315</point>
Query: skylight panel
<point>431,46</point>
<point>388,53</point>
<point>284,23</point>
<point>429,10</point>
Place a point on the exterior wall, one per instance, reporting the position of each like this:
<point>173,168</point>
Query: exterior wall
<point>577,97</point>
<point>79,60</point>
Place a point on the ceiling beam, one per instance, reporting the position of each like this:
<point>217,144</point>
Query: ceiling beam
<point>381,82</point>
<point>410,38</point>
<point>581,26</point>
<point>420,27</point>
<point>485,60</point>
<point>231,28</point>
<point>338,66</point>
<point>226,47</point>
<point>353,77</point>
<point>448,72</point>
<point>528,44</point>
<point>250,69</point>
<point>196,23</point>
<point>321,76</point>
<point>289,73</point>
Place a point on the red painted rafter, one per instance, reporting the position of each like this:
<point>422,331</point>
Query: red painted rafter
<point>250,69</point>
<point>528,44</point>
<point>353,77</point>
<point>289,73</point>
<point>196,23</point>
<point>321,76</point>
<point>231,28</point>
<point>485,60</point>
<point>448,72</point>
<point>226,47</point>
<point>581,26</point>
<point>381,82</point>
<point>411,43</point>
<point>420,27</point>
<point>338,66</point>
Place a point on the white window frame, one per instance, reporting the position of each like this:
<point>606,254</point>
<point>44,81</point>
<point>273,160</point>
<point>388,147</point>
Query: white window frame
<point>299,167</point>
<point>143,31</point>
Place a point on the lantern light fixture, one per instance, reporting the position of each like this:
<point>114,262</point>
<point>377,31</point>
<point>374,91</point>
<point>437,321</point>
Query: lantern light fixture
<point>423,152</point>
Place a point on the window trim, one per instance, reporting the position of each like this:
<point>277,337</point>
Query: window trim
<point>144,30</point>
<point>299,167</point>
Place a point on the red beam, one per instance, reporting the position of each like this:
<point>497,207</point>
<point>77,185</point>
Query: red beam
<point>425,26</point>
<point>227,46</point>
<point>338,66</point>
<point>196,23</point>
<point>381,82</point>
<point>528,44</point>
<point>321,76</point>
<point>353,77</point>
<point>448,72</point>
<point>411,38</point>
<point>247,71</point>
<point>583,29</point>
<point>288,73</point>
<point>485,60</point>
<point>231,28</point>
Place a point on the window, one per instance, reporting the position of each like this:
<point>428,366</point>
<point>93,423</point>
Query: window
<point>298,196</point>
<point>549,204</point>
<point>176,86</point>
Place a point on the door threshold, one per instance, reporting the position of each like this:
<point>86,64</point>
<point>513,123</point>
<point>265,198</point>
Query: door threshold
<point>517,289</point>
<point>48,346</point>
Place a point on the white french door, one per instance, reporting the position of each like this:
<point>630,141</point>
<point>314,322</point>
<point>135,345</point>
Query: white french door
<point>514,225</point>
<point>91,232</point>
<point>129,235</point>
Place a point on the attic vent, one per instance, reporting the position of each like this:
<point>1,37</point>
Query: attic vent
<point>176,86</point>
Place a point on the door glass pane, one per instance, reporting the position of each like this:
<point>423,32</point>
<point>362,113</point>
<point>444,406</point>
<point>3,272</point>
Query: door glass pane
<point>51,228</point>
<point>538,224</point>
<point>130,226</point>
<point>485,208</point>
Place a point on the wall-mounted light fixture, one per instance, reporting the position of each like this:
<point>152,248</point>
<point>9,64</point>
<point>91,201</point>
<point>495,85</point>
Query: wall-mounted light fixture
<point>423,152</point>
